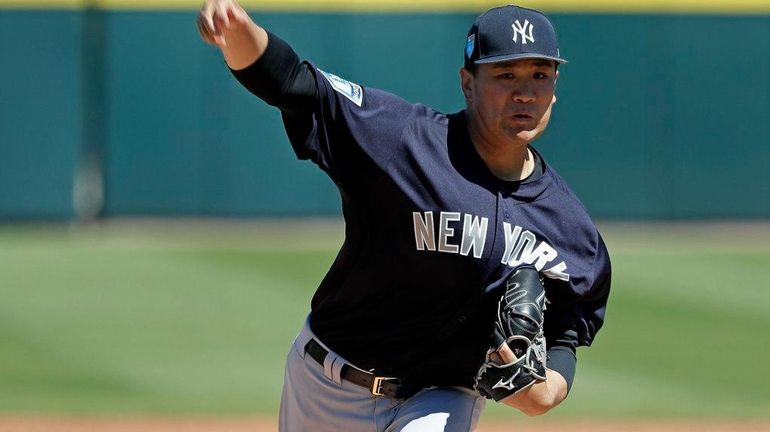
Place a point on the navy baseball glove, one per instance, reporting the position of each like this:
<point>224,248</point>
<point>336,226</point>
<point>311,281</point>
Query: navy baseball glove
<point>519,324</point>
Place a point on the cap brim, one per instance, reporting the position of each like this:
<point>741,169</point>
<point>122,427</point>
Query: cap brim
<point>519,56</point>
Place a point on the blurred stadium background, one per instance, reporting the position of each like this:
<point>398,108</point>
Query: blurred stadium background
<point>159,243</point>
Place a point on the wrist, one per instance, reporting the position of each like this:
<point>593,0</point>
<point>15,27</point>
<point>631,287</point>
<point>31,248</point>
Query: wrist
<point>245,45</point>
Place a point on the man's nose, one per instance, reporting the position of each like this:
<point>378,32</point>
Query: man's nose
<point>524,94</point>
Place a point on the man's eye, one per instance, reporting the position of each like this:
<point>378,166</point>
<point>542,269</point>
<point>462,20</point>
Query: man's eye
<point>540,75</point>
<point>506,75</point>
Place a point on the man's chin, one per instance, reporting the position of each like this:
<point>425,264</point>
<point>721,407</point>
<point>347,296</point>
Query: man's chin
<point>527,135</point>
<point>525,132</point>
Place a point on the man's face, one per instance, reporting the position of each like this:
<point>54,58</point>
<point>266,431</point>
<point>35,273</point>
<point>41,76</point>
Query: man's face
<point>510,100</point>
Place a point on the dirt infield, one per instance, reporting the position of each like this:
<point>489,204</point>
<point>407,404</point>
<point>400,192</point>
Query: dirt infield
<point>135,424</point>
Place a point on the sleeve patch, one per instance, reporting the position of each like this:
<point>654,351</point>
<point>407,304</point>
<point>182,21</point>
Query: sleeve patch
<point>350,90</point>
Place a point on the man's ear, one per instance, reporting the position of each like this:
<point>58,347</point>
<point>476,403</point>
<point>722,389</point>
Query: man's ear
<point>466,82</point>
<point>556,77</point>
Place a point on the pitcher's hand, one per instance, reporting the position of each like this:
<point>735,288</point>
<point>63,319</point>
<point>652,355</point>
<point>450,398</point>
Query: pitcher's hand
<point>217,17</point>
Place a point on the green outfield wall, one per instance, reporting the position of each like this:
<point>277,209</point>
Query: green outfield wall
<point>40,112</point>
<point>663,110</point>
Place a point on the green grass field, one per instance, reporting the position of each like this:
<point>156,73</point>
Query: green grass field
<point>192,317</point>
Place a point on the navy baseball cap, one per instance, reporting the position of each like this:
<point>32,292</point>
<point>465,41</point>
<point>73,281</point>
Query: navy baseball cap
<point>511,33</point>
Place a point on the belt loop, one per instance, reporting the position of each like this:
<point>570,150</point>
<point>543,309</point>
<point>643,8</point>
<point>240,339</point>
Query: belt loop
<point>329,361</point>
<point>304,337</point>
<point>337,366</point>
<point>299,346</point>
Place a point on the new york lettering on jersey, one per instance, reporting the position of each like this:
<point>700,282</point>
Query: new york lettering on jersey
<point>521,245</point>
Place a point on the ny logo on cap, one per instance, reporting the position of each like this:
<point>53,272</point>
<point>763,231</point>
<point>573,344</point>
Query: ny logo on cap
<point>524,30</point>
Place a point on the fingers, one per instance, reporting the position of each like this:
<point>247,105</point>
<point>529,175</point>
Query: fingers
<point>206,26</point>
<point>506,355</point>
<point>221,19</point>
<point>205,17</point>
<point>503,355</point>
<point>217,16</point>
<point>204,32</point>
<point>237,16</point>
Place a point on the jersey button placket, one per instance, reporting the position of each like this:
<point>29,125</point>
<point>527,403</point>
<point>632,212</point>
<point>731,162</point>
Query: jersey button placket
<point>504,193</point>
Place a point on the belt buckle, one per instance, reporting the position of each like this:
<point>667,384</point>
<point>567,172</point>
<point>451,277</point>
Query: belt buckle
<point>377,386</point>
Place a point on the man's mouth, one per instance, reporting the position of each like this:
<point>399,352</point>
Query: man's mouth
<point>522,116</point>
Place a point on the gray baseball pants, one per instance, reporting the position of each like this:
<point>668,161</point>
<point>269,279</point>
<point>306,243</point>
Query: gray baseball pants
<point>316,399</point>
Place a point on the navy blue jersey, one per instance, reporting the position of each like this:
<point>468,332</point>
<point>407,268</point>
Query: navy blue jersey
<point>430,236</point>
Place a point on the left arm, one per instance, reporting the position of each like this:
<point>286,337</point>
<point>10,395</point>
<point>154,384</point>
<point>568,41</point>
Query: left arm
<point>565,330</point>
<point>519,371</point>
<point>540,397</point>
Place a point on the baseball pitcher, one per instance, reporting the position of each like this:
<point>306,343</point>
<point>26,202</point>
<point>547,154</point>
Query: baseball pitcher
<point>470,271</point>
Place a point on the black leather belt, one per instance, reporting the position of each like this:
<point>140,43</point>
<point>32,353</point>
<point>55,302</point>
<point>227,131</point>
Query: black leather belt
<point>378,386</point>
